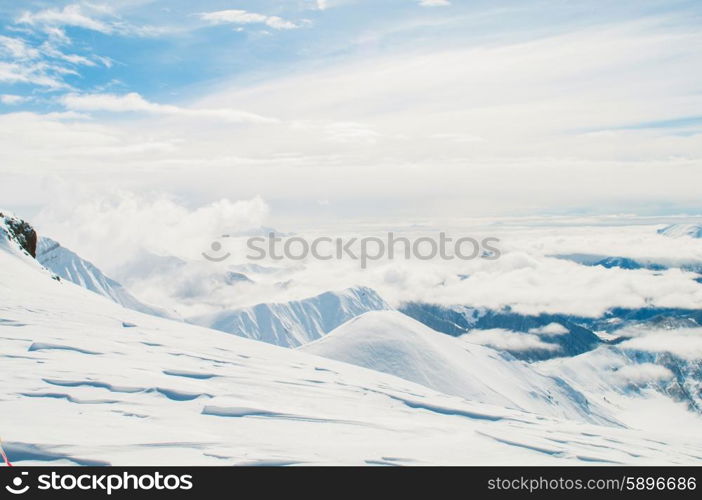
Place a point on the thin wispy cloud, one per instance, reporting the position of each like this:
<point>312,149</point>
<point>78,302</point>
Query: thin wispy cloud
<point>93,17</point>
<point>32,74</point>
<point>17,48</point>
<point>242,17</point>
<point>39,50</point>
<point>434,3</point>
<point>76,15</point>
<point>133,102</point>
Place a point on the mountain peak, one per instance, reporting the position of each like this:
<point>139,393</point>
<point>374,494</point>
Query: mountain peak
<point>294,323</point>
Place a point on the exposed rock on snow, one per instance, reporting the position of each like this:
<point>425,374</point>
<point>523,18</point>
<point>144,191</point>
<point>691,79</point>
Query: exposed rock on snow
<point>21,232</point>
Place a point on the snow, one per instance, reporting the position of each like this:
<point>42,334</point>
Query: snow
<point>72,267</point>
<point>390,342</point>
<point>295,323</point>
<point>82,387</point>
<point>644,390</point>
<point>680,230</point>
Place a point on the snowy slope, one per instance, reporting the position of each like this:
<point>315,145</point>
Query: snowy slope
<point>72,267</point>
<point>292,324</point>
<point>391,342</point>
<point>656,362</point>
<point>680,230</point>
<point>87,381</point>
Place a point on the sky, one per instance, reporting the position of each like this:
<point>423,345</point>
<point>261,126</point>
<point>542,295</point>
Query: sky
<point>296,112</point>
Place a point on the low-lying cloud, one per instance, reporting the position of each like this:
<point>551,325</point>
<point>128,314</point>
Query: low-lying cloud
<point>684,343</point>
<point>507,340</point>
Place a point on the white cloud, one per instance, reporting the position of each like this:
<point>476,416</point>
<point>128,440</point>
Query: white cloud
<point>350,132</point>
<point>57,35</point>
<point>111,227</point>
<point>457,137</point>
<point>41,62</point>
<point>113,102</point>
<point>684,343</point>
<point>89,16</point>
<point>133,102</point>
<point>532,284</point>
<point>11,99</point>
<point>550,329</point>
<point>434,3</point>
<point>70,15</point>
<point>407,151</point>
<point>235,16</point>
<point>49,50</point>
<point>498,338</point>
<point>34,73</point>
<point>643,373</point>
<point>17,48</point>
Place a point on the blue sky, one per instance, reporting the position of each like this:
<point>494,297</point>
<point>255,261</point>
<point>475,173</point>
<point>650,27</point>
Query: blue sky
<point>347,108</point>
<point>168,51</point>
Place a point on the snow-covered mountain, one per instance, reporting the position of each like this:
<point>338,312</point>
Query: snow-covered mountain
<point>544,336</point>
<point>87,381</point>
<point>652,378</point>
<point>611,261</point>
<point>295,323</point>
<point>70,266</point>
<point>680,230</point>
<point>391,342</point>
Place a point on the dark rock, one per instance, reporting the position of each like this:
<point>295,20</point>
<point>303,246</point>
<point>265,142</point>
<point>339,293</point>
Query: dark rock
<point>22,233</point>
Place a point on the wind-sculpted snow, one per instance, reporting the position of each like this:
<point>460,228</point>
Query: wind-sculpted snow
<point>123,396</point>
<point>71,267</point>
<point>295,323</point>
<point>390,342</point>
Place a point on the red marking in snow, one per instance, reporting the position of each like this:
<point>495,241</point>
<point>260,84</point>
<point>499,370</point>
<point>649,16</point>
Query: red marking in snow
<point>4,457</point>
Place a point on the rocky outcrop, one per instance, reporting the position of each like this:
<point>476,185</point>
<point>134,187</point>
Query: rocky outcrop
<point>21,232</point>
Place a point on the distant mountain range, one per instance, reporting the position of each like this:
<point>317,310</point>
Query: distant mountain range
<point>298,322</point>
<point>680,230</point>
<point>367,384</point>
